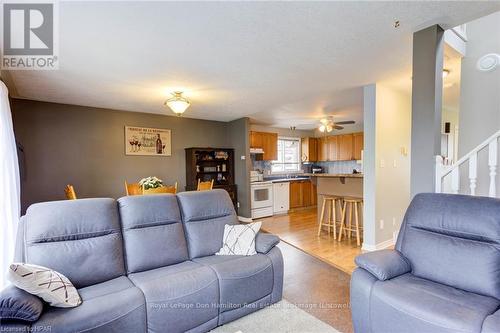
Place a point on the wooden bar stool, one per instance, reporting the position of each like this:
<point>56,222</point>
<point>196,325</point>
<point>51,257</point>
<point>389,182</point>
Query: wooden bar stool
<point>330,202</point>
<point>353,203</point>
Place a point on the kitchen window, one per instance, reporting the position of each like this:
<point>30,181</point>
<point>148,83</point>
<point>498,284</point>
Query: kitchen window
<point>288,156</point>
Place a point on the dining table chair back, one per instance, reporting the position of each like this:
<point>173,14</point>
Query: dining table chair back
<point>133,188</point>
<point>205,186</point>
<point>69,191</point>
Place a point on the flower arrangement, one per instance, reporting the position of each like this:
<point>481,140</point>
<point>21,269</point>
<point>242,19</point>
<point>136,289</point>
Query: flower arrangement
<point>150,182</point>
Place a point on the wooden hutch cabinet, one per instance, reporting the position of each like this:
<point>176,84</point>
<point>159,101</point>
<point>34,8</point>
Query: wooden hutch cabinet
<point>211,163</point>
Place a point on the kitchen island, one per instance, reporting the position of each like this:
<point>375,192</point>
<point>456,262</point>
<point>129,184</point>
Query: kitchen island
<point>345,185</point>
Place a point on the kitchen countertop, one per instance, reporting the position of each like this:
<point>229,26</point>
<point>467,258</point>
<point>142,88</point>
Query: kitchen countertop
<point>281,180</point>
<point>334,175</point>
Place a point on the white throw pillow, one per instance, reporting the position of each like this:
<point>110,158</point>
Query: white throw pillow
<point>239,239</point>
<point>51,286</point>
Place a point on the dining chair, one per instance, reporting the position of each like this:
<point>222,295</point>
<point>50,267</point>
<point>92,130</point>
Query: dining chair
<point>205,186</point>
<point>163,189</point>
<point>69,191</point>
<point>133,188</point>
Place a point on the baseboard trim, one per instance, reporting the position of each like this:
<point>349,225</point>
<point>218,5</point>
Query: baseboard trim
<point>244,219</point>
<point>379,246</point>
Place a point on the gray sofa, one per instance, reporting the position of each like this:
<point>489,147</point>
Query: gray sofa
<point>443,276</point>
<point>147,263</point>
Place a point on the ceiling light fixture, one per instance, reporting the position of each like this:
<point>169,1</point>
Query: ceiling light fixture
<point>178,104</point>
<point>488,62</point>
<point>446,72</point>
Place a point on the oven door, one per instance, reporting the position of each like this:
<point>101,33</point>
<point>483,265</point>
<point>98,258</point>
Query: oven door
<point>262,196</point>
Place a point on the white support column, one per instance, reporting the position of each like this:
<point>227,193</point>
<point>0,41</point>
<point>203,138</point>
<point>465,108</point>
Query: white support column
<point>438,187</point>
<point>472,173</point>
<point>455,180</point>
<point>492,163</point>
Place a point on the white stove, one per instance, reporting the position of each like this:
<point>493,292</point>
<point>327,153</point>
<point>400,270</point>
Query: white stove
<point>261,199</point>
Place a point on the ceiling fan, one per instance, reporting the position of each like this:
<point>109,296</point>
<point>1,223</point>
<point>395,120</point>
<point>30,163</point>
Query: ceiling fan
<point>328,125</point>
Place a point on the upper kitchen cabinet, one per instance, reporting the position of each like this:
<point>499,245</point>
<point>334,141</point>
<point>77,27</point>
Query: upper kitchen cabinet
<point>346,145</point>
<point>322,148</point>
<point>256,139</point>
<point>268,142</point>
<point>309,149</point>
<point>270,146</point>
<point>343,147</point>
<point>358,145</point>
<point>333,148</point>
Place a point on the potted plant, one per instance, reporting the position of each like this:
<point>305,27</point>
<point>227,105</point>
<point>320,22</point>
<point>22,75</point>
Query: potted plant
<point>150,182</point>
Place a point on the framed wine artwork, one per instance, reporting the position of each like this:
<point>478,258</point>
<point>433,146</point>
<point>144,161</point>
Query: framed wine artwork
<point>148,141</point>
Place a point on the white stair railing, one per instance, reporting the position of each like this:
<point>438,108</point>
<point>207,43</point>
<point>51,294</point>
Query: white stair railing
<point>453,171</point>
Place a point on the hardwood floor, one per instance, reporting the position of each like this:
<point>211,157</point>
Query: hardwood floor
<point>300,230</point>
<point>317,288</point>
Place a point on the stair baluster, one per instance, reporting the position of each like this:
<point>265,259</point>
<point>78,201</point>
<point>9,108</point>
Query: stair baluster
<point>473,173</point>
<point>492,163</point>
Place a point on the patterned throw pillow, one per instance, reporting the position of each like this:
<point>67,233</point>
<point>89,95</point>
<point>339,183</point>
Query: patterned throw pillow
<point>51,286</point>
<point>239,239</point>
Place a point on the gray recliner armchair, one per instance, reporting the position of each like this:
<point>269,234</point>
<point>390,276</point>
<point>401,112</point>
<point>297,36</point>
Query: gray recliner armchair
<point>443,276</point>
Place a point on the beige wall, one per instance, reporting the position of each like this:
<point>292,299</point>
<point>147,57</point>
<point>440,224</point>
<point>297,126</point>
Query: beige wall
<point>393,133</point>
<point>387,182</point>
<point>84,146</point>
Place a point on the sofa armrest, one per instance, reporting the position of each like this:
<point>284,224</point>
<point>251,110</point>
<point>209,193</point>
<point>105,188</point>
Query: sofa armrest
<point>491,323</point>
<point>265,242</point>
<point>384,264</point>
<point>17,304</point>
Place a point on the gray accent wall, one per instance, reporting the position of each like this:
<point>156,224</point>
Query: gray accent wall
<point>84,146</point>
<point>238,136</point>
<point>427,87</point>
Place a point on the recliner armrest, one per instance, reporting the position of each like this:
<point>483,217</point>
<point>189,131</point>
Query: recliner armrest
<point>265,242</point>
<point>17,304</point>
<point>384,264</point>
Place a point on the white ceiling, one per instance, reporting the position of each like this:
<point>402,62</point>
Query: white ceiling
<point>279,63</point>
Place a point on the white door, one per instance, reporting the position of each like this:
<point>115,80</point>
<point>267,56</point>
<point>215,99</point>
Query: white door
<point>281,193</point>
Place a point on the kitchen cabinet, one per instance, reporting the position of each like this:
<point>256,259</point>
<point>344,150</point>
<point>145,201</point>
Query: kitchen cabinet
<point>302,194</point>
<point>295,194</point>
<point>281,194</point>
<point>345,144</point>
<point>309,149</point>
<point>358,145</point>
<point>343,147</point>
<point>270,146</point>
<point>268,142</point>
<point>256,139</point>
<point>322,147</point>
<point>333,149</point>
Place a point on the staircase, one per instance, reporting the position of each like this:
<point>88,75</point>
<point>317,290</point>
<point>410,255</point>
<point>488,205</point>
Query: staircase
<point>465,170</point>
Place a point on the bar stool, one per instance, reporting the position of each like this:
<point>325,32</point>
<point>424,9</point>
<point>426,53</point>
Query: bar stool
<point>330,201</point>
<point>353,203</point>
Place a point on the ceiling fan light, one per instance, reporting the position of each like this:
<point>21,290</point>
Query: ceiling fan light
<point>178,104</point>
<point>329,128</point>
<point>322,128</point>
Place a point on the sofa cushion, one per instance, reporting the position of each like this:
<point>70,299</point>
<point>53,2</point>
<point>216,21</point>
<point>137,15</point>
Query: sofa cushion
<point>204,214</point>
<point>181,296</point>
<point>152,225</point>
<point>411,304</point>
<point>75,237</point>
<point>454,240</point>
<point>112,306</point>
<point>242,279</point>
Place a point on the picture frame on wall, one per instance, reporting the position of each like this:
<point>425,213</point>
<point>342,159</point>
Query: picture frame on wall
<point>147,141</point>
